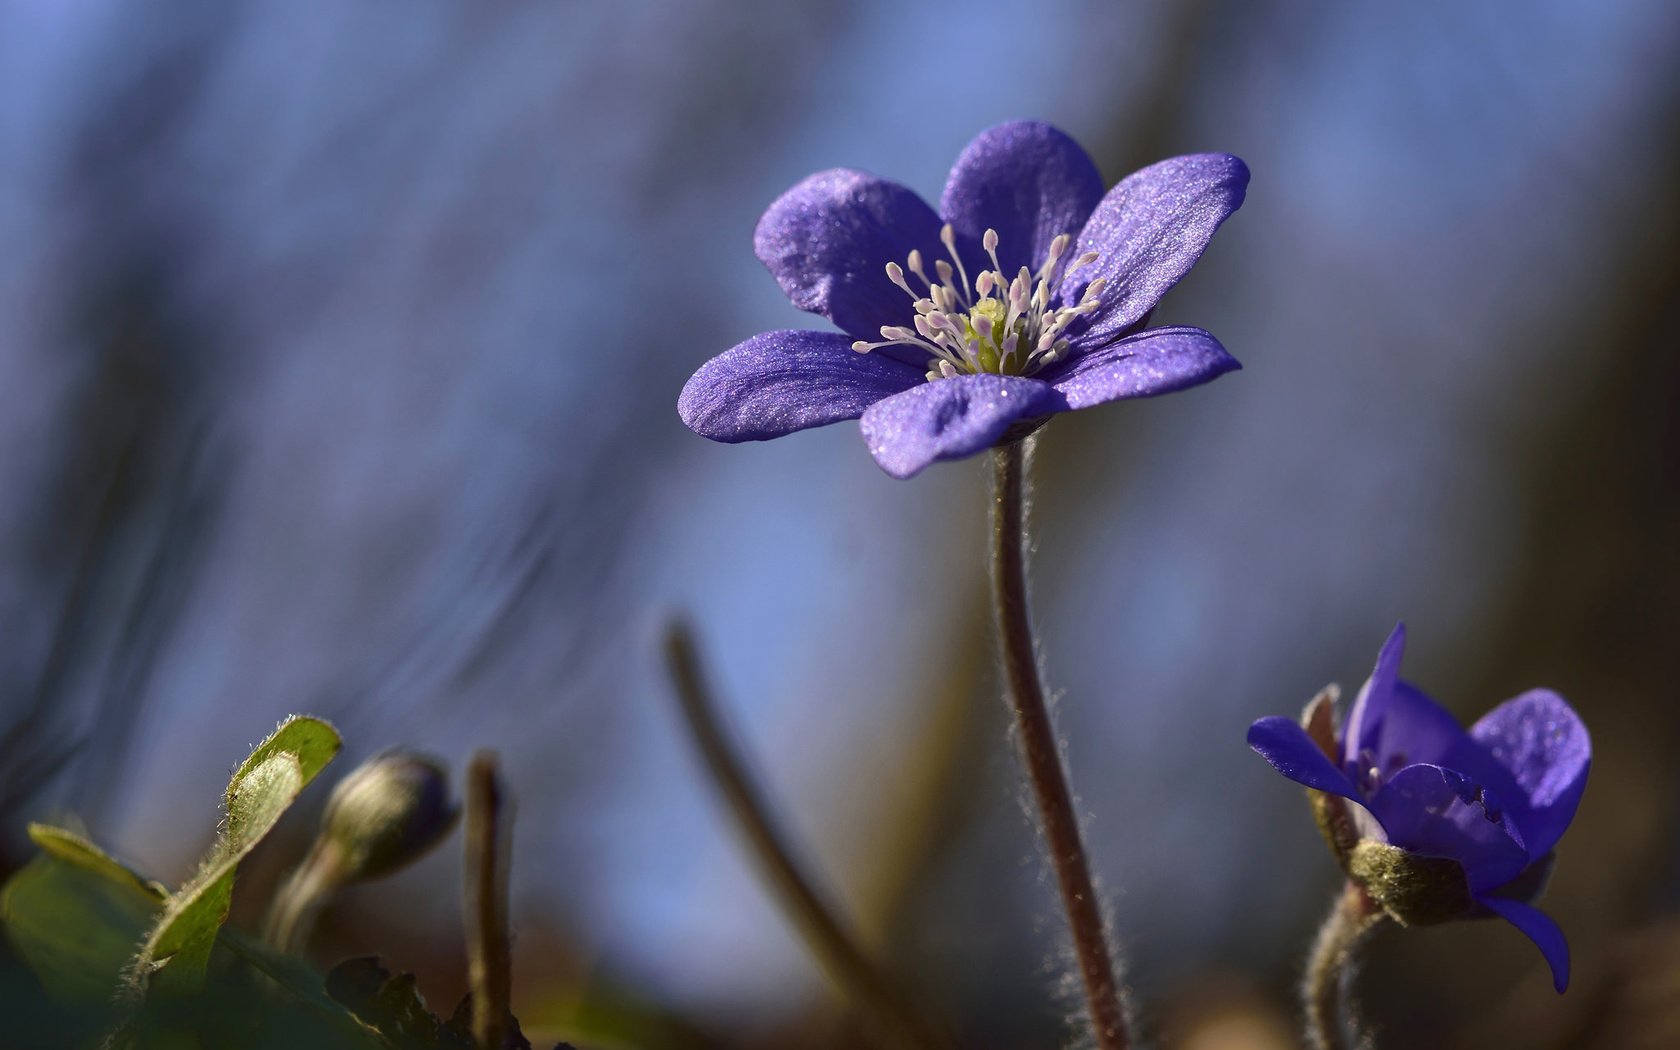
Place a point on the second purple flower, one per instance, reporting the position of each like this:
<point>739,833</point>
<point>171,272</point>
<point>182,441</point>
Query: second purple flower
<point>1487,805</point>
<point>1025,295</point>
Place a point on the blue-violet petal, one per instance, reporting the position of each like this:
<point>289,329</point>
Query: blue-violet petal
<point>1540,739</point>
<point>1366,715</point>
<point>1283,743</point>
<point>950,418</point>
<point>779,382</point>
<point>1539,928</point>
<point>828,240</point>
<point>1148,231</point>
<point>1026,180</point>
<point>1151,362</point>
<point>1441,813</point>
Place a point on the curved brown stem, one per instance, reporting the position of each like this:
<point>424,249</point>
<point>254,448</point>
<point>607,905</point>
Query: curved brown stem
<point>830,942</point>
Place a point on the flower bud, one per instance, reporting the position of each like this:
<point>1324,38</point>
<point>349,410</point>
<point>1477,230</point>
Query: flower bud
<point>386,814</point>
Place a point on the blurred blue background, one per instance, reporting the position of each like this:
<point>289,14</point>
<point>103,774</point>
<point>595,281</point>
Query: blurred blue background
<point>339,351</point>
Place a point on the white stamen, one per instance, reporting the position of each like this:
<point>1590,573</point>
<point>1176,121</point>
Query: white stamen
<point>915,262</point>
<point>1017,334</point>
<point>895,274</point>
<point>990,240</point>
<point>948,237</point>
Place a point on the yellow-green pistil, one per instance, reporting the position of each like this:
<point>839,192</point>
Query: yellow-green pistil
<point>1001,326</point>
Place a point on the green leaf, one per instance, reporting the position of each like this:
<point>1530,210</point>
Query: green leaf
<point>77,849</point>
<point>297,977</point>
<point>75,924</point>
<point>309,740</point>
<point>176,956</point>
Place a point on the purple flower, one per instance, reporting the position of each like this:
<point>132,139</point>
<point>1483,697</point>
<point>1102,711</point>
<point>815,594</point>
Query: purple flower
<point>1494,801</point>
<point>1024,296</point>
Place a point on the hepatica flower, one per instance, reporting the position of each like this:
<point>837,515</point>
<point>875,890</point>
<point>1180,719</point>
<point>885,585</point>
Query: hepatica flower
<point>1023,296</point>
<point>1438,823</point>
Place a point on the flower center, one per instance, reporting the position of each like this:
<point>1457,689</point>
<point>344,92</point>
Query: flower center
<point>1369,773</point>
<point>1001,325</point>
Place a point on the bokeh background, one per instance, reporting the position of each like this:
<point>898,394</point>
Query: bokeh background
<point>339,351</point>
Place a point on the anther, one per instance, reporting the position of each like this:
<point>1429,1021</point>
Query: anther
<point>915,262</point>
<point>990,241</point>
<point>895,274</point>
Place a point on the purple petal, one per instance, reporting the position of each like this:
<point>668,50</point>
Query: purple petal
<point>779,382</point>
<point>1393,724</point>
<point>1369,707</point>
<point>1148,231</point>
<point>1283,743</point>
<point>1540,739</point>
<point>950,418</point>
<point>828,240</point>
<point>1156,361</point>
<point>1441,813</point>
<point>1539,928</point>
<point>1414,728</point>
<point>1026,180</point>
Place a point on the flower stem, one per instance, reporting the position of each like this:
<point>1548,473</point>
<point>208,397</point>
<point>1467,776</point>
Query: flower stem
<point>298,903</point>
<point>1041,755</point>
<point>1324,989</point>
<point>488,965</point>
<point>839,954</point>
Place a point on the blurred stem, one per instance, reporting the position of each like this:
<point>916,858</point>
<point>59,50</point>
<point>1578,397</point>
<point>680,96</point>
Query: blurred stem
<point>828,940</point>
<point>1324,990</point>
<point>488,963</point>
<point>1040,753</point>
<point>291,916</point>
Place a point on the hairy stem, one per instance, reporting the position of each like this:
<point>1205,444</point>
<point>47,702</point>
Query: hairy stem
<point>1042,756</point>
<point>835,949</point>
<point>1324,989</point>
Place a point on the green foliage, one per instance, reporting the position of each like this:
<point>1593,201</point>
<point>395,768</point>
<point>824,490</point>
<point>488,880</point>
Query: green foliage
<point>297,978</point>
<point>129,965</point>
<point>176,955</point>
<point>112,947</point>
<point>75,849</point>
<point>77,924</point>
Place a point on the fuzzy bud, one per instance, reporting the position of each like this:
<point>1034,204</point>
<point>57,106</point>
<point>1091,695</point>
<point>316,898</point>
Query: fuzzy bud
<point>387,814</point>
<point>1413,889</point>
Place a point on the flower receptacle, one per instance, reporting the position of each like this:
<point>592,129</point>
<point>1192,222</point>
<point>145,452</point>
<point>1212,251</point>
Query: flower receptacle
<point>1415,890</point>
